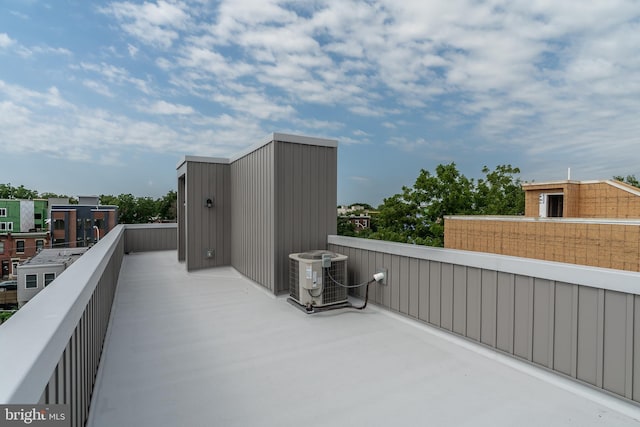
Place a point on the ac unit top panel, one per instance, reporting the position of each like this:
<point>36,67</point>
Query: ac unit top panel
<point>316,255</point>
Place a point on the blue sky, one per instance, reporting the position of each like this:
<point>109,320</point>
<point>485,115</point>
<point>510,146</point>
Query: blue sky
<point>106,97</point>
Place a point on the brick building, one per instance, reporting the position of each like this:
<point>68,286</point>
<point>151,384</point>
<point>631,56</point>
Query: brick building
<point>594,223</point>
<point>23,232</point>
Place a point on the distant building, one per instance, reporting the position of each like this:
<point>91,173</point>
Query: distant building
<point>594,223</point>
<point>38,272</point>
<point>360,222</point>
<point>80,225</point>
<point>23,232</point>
<point>19,247</point>
<point>21,216</point>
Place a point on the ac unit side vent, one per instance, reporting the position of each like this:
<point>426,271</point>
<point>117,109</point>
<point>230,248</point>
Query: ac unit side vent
<point>294,279</point>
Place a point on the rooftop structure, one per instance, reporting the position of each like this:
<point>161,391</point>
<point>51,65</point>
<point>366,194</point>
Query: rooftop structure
<point>132,337</point>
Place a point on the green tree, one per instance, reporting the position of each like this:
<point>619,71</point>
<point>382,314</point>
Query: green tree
<point>167,206</point>
<point>417,214</point>
<point>500,192</point>
<point>630,179</point>
<point>345,227</point>
<point>7,191</point>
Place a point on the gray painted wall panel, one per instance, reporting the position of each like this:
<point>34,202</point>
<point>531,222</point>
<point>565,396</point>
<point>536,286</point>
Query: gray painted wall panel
<point>474,302</point>
<point>305,181</point>
<point>522,327</point>
<point>564,329</point>
<point>434,292</point>
<point>504,312</point>
<point>251,189</point>
<point>414,287</point>
<point>395,282</point>
<point>160,238</point>
<point>404,285</point>
<point>180,212</point>
<point>541,321</point>
<point>446,296</point>
<point>587,335</point>
<point>423,284</point>
<point>615,342</point>
<point>460,299</point>
<point>636,349</point>
<point>489,307</point>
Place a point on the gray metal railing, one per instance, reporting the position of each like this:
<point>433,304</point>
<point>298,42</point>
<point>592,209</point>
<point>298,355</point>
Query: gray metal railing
<point>582,322</point>
<point>51,348</point>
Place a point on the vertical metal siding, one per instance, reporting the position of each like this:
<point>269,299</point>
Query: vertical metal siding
<point>180,213</point>
<point>304,202</point>
<point>585,333</point>
<point>252,227</point>
<point>205,227</point>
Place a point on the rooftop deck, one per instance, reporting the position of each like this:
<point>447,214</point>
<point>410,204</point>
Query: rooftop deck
<point>212,348</point>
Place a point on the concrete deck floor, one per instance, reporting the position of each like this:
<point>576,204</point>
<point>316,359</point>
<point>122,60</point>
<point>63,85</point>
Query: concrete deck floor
<point>212,349</point>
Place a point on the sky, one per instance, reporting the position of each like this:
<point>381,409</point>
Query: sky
<point>106,97</point>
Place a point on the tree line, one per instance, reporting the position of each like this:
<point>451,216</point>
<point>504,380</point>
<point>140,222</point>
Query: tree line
<point>131,209</point>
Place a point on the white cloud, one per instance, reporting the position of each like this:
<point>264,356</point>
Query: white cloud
<point>156,24</point>
<point>5,40</point>
<point>166,108</point>
<point>115,74</point>
<point>98,87</point>
<point>133,51</point>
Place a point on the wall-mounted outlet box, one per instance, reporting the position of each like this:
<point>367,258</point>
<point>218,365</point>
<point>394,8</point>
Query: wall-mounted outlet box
<point>386,275</point>
<point>209,253</point>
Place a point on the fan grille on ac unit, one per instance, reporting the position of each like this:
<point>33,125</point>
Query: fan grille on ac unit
<point>332,292</point>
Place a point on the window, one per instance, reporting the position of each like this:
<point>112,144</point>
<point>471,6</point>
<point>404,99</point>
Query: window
<point>20,246</point>
<point>87,223</point>
<point>1,247</point>
<point>10,226</point>
<point>39,245</point>
<point>37,216</point>
<point>48,278</point>
<point>100,223</point>
<point>3,226</point>
<point>58,224</point>
<point>3,211</point>
<point>31,281</point>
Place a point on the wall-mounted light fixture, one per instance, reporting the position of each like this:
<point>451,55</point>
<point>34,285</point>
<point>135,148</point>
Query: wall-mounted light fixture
<point>209,203</point>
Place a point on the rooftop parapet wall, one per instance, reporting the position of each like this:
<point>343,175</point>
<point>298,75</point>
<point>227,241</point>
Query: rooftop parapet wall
<point>580,322</point>
<point>598,243</point>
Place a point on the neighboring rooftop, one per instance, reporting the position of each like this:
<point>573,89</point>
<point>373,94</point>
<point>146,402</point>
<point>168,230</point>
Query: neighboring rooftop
<point>56,256</point>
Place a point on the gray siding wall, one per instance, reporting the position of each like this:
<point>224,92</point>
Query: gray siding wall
<point>252,210</point>
<point>205,227</point>
<point>305,202</point>
<point>151,237</point>
<point>586,332</point>
<point>181,212</point>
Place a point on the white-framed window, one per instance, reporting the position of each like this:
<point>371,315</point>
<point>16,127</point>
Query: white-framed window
<point>10,226</point>
<point>39,245</point>
<point>1,247</point>
<point>3,212</point>
<point>6,226</point>
<point>49,277</point>
<point>19,246</point>
<point>31,281</point>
